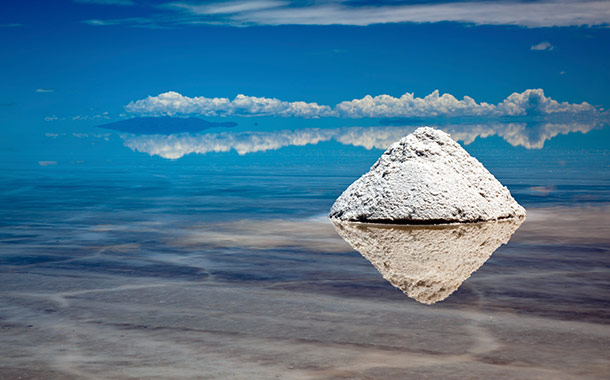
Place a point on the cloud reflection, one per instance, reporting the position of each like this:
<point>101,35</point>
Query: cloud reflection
<point>531,135</point>
<point>427,263</point>
<point>176,146</point>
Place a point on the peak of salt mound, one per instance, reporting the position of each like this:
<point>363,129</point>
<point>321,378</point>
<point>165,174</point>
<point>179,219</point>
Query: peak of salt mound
<point>426,177</point>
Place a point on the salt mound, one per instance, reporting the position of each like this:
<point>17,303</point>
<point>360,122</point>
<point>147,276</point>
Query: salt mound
<point>426,177</point>
<point>427,263</point>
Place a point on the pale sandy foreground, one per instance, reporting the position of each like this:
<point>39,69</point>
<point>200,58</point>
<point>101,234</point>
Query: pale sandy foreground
<point>291,300</point>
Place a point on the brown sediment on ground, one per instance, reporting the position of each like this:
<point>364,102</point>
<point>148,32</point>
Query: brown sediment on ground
<point>588,225</point>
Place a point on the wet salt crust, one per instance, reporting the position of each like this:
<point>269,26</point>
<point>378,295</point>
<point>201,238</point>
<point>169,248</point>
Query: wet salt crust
<point>428,178</point>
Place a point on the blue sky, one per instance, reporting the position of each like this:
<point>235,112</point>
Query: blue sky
<point>68,64</point>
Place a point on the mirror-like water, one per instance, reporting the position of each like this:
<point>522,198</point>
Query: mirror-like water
<point>116,262</point>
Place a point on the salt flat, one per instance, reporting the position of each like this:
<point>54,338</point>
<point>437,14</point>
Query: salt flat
<point>221,300</point>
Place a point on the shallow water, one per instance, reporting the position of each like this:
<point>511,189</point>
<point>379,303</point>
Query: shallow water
<point>120,264</point>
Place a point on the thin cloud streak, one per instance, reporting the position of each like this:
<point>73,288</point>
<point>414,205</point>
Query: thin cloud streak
<point>528,14</point>
<point>531,14</point>
<point>230,7</point>
<point>134,22</point>
<point>107,2</point>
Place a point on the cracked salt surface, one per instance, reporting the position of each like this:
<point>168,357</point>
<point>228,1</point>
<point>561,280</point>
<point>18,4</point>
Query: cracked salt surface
<point>428,178</point>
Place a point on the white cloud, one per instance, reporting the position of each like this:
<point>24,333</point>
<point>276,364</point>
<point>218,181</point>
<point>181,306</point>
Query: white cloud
<point>47,163</point>
<point>10,25</point>
<point>42,90</point>
<point>529,14</point>
<point>105,136</point>
<point>529,102</point>
<point>96,22</point>
<point>135,22</point>
<point>528,135</point>
<point>104,115</point>
<point>173,103</point>
<point>410,106</point>
<point>228,7</point>
<point>544,45</point>
<point>534,102</point>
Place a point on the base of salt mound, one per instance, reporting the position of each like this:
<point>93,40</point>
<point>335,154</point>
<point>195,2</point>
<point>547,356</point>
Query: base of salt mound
<point>426,178</point>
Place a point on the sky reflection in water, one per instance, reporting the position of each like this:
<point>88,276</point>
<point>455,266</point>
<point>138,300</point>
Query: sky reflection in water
<point>288,174</point>
<point>531,135</point>
<point>105,241</point>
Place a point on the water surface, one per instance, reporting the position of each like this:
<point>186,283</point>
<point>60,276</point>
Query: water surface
<point>123,256</point>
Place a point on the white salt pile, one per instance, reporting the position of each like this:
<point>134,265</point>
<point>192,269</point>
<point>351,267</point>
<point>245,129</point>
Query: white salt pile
<point>426,177</point>
<point>427,263</point>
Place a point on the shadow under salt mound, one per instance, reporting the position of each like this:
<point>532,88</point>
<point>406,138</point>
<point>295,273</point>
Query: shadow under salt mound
<point>427,263</point>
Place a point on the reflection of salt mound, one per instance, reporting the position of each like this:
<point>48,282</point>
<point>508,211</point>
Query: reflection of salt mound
<point>426,177</point>
<point>427,263</point>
